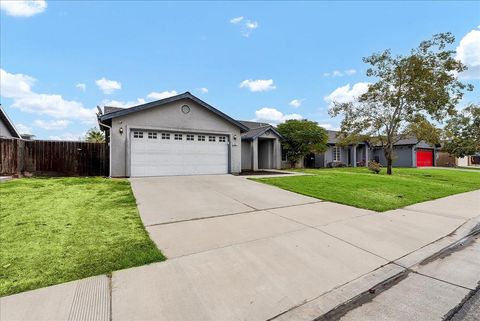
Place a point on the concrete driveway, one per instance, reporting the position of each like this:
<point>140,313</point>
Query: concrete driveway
<point>242,250</point>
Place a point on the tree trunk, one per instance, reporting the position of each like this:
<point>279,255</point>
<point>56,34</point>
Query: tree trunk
<point>389,157</point>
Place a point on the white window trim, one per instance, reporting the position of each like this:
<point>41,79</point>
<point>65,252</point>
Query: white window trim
<point>337,152</point>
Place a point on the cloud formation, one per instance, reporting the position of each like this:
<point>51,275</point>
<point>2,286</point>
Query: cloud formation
<point>247,26</point>
<point>52,124</point>
<point>108,86</point>
<point>346,94</point>
<point>81,86</point>
<point>338,73</point>
<point>296,103</point>
<point>23,8</point>
<point>161,95</point>
<point>258,85</point>
<point>273,116</point>
<point>19,88</point>
<point>468,52</point>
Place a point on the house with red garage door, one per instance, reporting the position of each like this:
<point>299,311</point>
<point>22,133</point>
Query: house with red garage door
<point>409,152</point>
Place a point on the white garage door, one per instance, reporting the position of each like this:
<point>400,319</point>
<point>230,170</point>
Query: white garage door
<point>155,153</point>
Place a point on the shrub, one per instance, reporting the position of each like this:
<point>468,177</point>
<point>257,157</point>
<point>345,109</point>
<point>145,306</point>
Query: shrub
<point>335,164</point>
<point>374,167</point>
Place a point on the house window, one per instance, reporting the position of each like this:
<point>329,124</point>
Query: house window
<point>336,154</point>
<point>284,156</point>
<point>190,137</point>
<point>178,137</point>
<point>165,136</point>
<point>222,139</point>
<point>201,138</point>
<point>211,138</point>
<point>137,134</point>
<point>152,135</point>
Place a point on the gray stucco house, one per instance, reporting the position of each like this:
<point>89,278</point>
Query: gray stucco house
<point>261,147</point>
<point>183,135</point>
<point>7,129</point>
<point>408,152</point>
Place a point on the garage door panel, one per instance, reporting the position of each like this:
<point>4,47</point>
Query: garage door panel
<point>163,157</point>
<point>424,157</point>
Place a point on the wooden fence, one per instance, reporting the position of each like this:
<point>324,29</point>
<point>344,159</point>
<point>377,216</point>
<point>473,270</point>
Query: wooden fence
<point>53,158</point>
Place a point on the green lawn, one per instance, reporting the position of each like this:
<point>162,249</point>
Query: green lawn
<point>360,188</point>
<point>55,230</point>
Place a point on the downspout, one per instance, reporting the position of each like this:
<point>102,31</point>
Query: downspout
<point>109,146</point>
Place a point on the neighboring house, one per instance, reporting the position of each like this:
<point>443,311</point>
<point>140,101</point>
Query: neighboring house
<point>7,129</point>
<point>447,160</point>
<point>183,135</point>
<point>407,153</point>
<point>261,147</point>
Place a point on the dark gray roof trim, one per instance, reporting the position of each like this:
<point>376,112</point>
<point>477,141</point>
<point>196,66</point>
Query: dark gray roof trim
<point>8,123</point>
<point>161,102</point>
<point>256,132</point>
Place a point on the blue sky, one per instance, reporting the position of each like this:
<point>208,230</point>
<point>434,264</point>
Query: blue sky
<point>267,61</point>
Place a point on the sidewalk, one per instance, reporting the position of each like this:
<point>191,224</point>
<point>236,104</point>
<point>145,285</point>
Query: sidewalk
<point>311,265</point>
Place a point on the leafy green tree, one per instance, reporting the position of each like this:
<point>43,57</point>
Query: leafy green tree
<point>94,135</point>
<point>462,132</point>
<point>419,87</point>
<point>302,137</point>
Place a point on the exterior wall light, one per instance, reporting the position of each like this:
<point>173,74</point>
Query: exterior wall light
<point>120,130</point>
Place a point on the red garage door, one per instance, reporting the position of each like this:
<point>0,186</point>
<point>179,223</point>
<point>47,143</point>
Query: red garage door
<point>424,157</point>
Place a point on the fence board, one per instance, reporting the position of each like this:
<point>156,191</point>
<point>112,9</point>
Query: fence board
<point>53,158</point>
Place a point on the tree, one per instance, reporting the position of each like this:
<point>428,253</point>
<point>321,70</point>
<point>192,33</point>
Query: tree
<point>462,132</point>
<point>95,136</point>
<point>421,87</point>
<point>302,137</point>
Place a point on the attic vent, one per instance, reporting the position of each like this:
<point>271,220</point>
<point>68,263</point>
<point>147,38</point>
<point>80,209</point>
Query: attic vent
<point>185,109</point>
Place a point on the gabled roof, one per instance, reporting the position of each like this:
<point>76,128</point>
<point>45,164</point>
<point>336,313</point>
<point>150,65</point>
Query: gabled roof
<point>8,123</point>
<point>257,129</point>
<point>161,102</point>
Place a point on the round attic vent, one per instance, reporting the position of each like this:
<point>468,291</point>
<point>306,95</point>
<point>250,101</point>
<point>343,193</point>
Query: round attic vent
<point>185,109</point>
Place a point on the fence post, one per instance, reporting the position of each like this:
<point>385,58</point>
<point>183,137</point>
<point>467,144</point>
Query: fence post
<point>20,157</point>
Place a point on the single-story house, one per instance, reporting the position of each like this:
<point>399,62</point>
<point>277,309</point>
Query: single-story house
<point>183,135</point>
<point>7,129</point>
<point>409,152</point>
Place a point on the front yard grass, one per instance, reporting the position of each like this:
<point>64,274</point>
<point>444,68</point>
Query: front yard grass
<point>54,230</point>
<point>360,188</point>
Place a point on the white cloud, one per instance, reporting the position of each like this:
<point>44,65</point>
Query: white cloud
<point>161,95</point>
<point>19,88</point>
<point>81,86</point>
<point>273,116</point>
<point>23,129</point>
<point>203,90</point>
<point>468,52</point>
<point>108,86</point>
<point>296,103</point>
<point>346,94</point>
<point>329,126</point>
<point>236,20</point>
<point>15,85</point>
<point>246,25</point>
<point>23,8</point>
<point>69,136</point>
<point>338,73</point>
<point>258,85</point>
<point>52,124</point>
<point>123,104</point>
<point>350,72</point>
